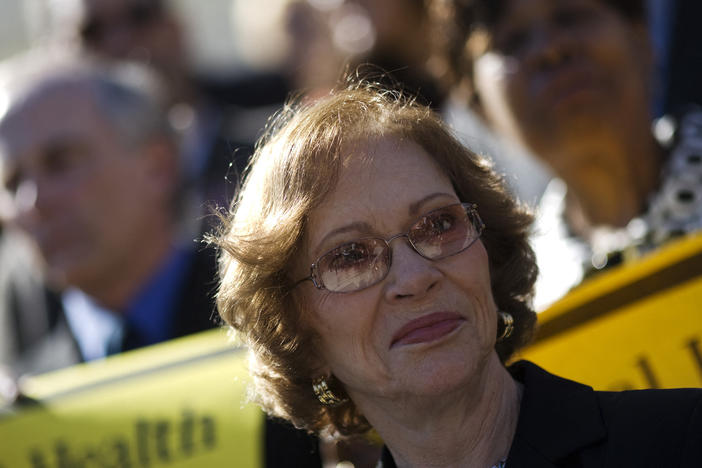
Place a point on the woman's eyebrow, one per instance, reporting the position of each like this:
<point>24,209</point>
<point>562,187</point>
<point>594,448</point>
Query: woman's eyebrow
<point>358,226</point>
<point>415,207</point>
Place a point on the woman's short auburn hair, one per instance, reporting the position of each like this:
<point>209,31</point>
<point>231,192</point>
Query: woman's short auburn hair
<point>295,165</point>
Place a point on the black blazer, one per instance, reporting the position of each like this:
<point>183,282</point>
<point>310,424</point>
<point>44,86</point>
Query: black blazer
<point>565,424</point>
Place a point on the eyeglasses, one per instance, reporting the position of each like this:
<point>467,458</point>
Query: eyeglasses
<point>364,262</point>
<point>136,14</point>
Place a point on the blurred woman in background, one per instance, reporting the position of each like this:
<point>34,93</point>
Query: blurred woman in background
<point>572,81</point>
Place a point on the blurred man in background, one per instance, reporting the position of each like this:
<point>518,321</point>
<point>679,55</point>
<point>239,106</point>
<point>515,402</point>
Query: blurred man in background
<point>91,173</point>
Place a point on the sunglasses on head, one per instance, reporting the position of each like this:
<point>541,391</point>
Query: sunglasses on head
<point>362,263</point>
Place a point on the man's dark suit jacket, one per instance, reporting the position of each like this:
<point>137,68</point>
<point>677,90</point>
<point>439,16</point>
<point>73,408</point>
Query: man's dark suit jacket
<point>42,341</point>
<point>565,424</point>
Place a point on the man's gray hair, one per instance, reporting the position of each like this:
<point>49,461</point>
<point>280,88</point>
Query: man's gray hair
<point>127,94</point>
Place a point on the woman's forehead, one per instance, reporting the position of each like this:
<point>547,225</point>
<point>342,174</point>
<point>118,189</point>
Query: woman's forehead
<point>385,165</point>
<point>386,176</point>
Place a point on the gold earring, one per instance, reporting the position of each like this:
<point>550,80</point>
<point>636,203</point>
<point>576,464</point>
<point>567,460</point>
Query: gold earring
<point>324,394</point>
<point>507,325</point>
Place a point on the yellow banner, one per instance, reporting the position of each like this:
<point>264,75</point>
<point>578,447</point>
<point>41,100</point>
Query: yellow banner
<point>637,326</point>
<point>180,404</point>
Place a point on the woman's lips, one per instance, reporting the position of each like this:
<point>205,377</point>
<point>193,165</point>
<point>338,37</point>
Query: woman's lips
<point>427,328</point>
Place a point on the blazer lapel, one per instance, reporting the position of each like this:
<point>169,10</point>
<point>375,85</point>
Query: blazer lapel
<point>558,417</point>
<point>523,455</point>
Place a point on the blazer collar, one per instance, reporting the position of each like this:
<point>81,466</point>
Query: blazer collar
<point>557,418</point>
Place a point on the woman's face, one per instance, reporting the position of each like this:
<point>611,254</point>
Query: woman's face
<point>560,72</point>
<point>428,326</point>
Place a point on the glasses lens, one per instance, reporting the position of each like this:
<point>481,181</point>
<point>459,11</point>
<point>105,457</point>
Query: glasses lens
<point>354,266</point>
<point>446,231</point>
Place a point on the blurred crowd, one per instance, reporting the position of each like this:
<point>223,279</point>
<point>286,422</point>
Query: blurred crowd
<point>116,152</point>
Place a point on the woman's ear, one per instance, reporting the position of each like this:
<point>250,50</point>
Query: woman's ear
<point>320,367</point>
<point>306,316</point>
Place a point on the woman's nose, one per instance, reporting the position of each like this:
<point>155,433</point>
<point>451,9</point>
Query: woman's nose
<point>411,275</point>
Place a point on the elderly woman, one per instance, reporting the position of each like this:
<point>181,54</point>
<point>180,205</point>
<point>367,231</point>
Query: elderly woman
<point>381,276</point>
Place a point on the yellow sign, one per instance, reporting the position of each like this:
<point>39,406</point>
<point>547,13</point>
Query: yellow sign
<point>638,326</point>
<point>180,404</point>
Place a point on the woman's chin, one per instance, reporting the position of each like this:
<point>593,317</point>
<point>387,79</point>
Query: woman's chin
<point>439,373</point>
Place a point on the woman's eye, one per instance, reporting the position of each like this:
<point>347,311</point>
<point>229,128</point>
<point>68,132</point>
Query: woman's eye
<point>349,256</point>
<point>441,224</point>
<point>434,227</point>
